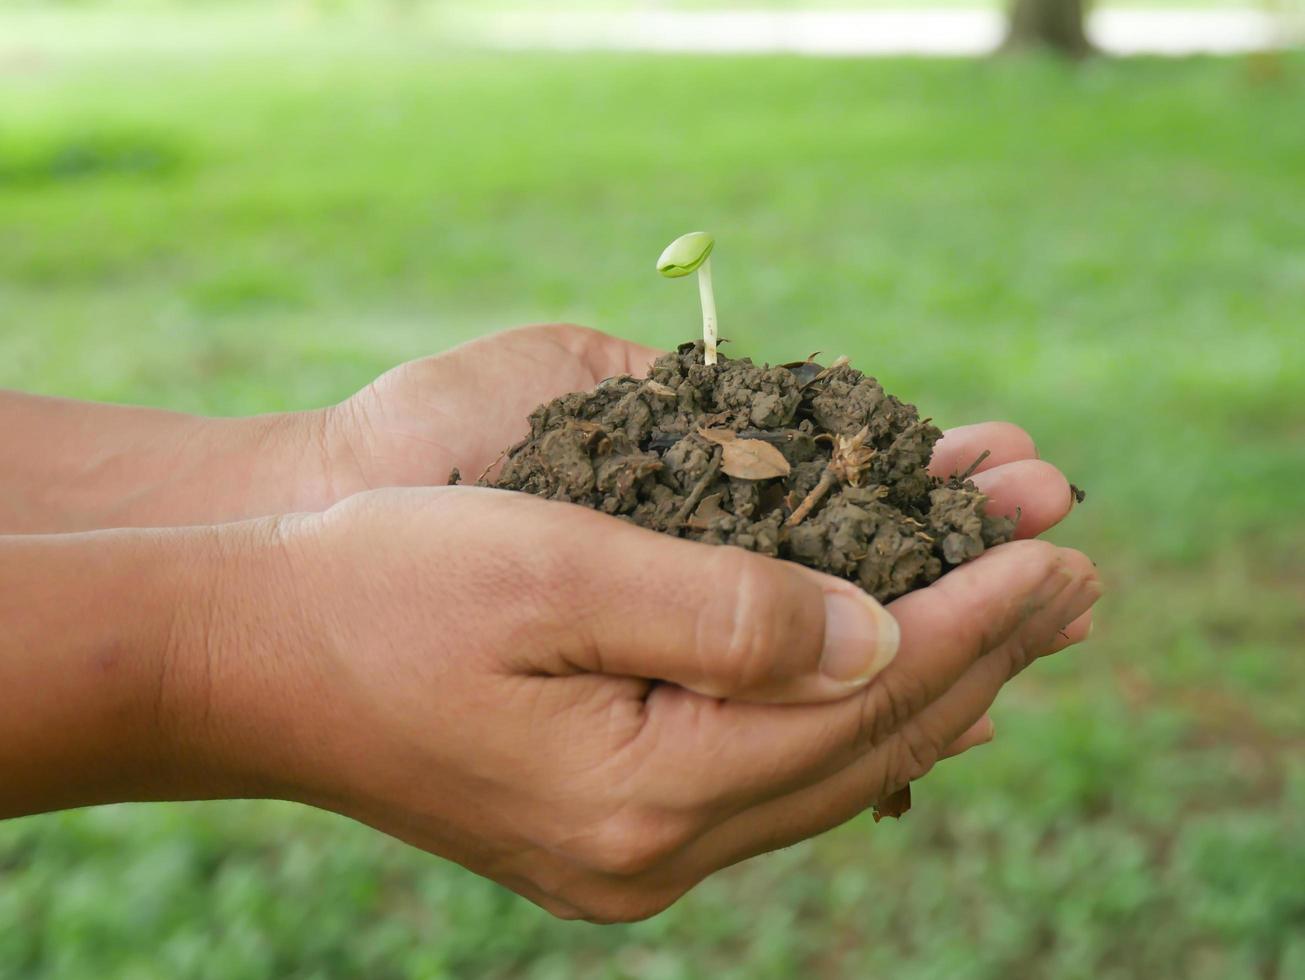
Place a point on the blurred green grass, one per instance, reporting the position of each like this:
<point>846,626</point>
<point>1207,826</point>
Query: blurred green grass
<point>1111,255</point>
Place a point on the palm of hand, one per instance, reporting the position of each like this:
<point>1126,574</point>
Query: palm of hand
<point>415,423</point>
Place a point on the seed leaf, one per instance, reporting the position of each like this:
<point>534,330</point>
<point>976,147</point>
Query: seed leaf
<point>683,256</point>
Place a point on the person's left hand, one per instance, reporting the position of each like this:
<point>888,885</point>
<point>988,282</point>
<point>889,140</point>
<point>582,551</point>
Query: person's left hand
<point>415,423</point>
<point>463,408</point>
<point>409,427</point>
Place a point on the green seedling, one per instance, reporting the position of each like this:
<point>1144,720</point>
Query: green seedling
<point>688,254</point>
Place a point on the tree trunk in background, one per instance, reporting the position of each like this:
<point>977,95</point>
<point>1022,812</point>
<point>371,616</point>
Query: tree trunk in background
<point>1053,24</point>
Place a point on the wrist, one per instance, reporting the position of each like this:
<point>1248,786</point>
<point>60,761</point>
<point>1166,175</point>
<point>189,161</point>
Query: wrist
<point>237,469</point>
<point>76,466</point>
<point>238,692</point>
<point>285,463</point>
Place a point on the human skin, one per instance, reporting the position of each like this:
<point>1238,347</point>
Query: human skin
<point>595,715</point>
<point>68,465</point>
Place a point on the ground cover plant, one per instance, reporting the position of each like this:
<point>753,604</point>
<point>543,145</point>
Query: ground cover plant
<point>270,216</point>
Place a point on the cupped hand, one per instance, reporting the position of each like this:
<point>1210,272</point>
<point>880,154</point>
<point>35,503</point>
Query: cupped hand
<point>595,715</point>
<point>462,408</point>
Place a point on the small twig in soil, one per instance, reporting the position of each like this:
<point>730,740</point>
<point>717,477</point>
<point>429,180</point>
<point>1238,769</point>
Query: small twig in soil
<point>498,459</point>
<point>827,481</point>
<point>847,464</point>
<point>774,438</point>
<point>974,466</point>
<point>699,488</point>
<point>661,441</point>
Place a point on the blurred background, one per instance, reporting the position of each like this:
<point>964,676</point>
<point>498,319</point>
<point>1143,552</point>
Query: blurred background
<point>243,207</point>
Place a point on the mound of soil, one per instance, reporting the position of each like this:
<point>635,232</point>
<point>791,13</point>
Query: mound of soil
<point>814,464</point>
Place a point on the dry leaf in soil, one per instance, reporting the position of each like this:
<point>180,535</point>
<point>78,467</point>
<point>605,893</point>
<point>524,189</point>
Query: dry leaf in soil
<point>747,459</point>
<point>894,806</point>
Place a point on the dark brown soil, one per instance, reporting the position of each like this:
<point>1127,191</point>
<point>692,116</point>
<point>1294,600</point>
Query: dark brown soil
<point>815,465</point>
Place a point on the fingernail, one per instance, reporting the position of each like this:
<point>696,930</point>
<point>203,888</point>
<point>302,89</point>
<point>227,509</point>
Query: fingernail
<point>990,733</point>
<point>861,638</point>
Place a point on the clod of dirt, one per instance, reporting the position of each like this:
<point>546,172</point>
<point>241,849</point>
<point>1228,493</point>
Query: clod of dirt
<point>809,463</point>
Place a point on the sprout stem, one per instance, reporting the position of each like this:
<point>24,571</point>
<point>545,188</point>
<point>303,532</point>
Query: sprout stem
<point>688,254</point>
<point>708,312</point>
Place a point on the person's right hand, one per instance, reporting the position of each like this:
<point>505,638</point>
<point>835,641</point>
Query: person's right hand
<point>595,715</point>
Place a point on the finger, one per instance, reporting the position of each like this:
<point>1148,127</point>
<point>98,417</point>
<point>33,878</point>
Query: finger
<point>1033,491</point>
<point>759,753</point>
<point>1046,632</point>
<point>966,615</point>
<point>1075,632</point>
<point>951,720</point>
<point>638,359</point>
<point>957,450</point>
<point>605,355</point>
<point>980,733</point>
<point>719,621</point>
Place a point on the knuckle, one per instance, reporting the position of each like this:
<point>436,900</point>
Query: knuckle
<point>613,905</point>
<point>1050,556</point>
<point>548,584</point>
<point>914,754</point>
<point>745,636</point>
<point>560,909</point>
<point>890,702</point>
<point>1037,553</point>
<point>573,332</point>
<point>560,331</point>
<point>1021,651</point>
<point>629,844</point>
<point>1079,564</point>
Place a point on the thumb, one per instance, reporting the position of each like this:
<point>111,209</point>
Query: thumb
<point>720,621</point>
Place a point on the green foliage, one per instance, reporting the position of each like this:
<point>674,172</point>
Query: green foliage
<point>79,155</point>
<point>1110,255</point>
